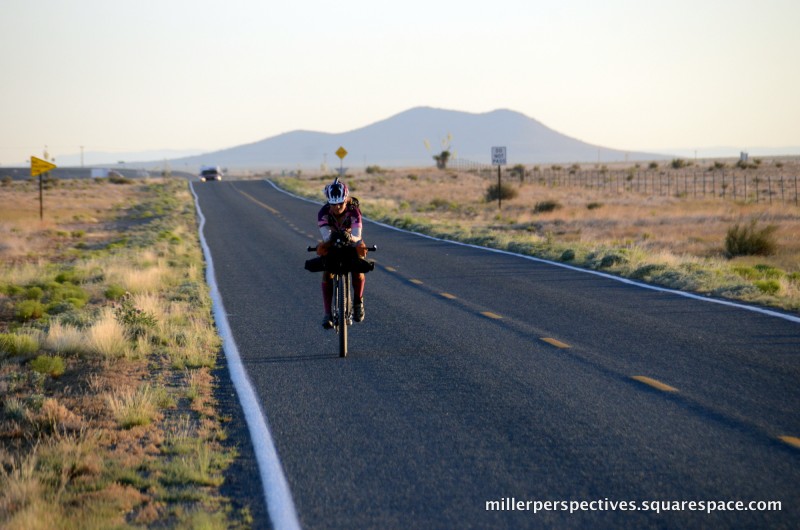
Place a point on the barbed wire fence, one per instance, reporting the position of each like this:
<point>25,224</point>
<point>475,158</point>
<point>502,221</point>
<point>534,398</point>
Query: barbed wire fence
<point>759,186</point>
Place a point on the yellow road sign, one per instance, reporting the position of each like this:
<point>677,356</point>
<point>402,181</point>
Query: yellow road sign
<point>39,166</point>
<point>341,153</point>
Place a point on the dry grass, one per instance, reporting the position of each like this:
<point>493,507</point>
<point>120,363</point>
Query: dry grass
<point>21,493</point>
<point>23,273</point>
<point>69,208</point>
<point>63,338</point>
<point>106,337</point>
<point>136,279</point>
<point>108,373</point>
<point>132,408</point>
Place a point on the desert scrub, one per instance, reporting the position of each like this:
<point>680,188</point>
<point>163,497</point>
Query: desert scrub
<point>546,206</point>
<point>759,272</point>
<point>567,255</point>
<point>133,407</point>
<point>114,292</point>
<point>52,366</point>
<point>770,287</point>
<point>504,192</point>
<point>750,240</point>
<point>27,310</point>
<point>107,338</point>
<point>199,466</point>
<point>137,322</point>
<point>63,338</point>
<point>22,345</point>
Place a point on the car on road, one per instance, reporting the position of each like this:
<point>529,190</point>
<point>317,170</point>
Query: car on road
<point>210,173</point>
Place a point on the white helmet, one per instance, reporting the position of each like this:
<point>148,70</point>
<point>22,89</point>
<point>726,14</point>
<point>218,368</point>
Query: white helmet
<point>336,192</point>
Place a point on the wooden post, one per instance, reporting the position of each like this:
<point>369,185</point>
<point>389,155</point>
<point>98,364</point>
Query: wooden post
<point>499,189</point>
<point>41,199</point>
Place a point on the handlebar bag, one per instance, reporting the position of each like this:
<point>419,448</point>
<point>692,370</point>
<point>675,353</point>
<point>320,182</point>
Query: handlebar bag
<point>315,265</point>
<point>341,266</point>
<point>362,265</point>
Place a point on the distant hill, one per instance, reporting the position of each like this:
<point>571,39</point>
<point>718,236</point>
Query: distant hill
<point>400,141</point>
<point>102,158</point>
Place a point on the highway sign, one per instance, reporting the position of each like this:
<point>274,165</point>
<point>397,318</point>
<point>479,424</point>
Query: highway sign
<point>39,166</point>
<point>498,156</point>
<point>341,153</point>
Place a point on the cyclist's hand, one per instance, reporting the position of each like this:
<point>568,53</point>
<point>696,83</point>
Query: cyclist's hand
<point>336,238</point>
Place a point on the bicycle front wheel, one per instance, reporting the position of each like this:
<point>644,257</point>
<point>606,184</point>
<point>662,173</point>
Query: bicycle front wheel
<point>343,296</point>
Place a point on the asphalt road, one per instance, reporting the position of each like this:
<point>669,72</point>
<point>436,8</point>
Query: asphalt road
<point>480,376</point>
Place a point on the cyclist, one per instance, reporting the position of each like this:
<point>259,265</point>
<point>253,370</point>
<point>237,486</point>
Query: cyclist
<point>341,214</point>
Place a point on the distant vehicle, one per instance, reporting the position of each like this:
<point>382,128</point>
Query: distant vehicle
<point>210,173</point>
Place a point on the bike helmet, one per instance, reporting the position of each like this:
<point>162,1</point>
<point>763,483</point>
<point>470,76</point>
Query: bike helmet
<point>336,192</point>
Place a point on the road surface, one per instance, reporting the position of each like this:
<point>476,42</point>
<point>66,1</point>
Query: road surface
<point>481,381</point>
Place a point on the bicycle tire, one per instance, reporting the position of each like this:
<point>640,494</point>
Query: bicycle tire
<point>342,299</point>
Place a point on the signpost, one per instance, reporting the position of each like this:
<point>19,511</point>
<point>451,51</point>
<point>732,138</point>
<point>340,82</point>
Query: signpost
<point>341,153</point>
<point>39,166</point>
<point>499,160</point>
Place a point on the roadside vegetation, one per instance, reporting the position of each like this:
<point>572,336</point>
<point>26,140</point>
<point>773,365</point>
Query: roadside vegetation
<point>107,348</point>
<point>743,246</point>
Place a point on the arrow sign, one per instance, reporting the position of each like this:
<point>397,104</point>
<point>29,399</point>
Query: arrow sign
<point>39,166</point>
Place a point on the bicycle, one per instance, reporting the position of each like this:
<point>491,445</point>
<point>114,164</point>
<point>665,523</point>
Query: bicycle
<point>341,261</point>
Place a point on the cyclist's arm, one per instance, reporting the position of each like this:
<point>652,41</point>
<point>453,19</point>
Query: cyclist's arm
<point>355,234</point>
<point>322,222</point>
<point>355,226</point>
<point>326,232</point>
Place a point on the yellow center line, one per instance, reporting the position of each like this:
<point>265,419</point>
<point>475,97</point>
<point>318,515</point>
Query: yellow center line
<point>448,296</point>
<point>266,207</point>
<point>791,440</point>
<point>489,314</point>
<point>555,342</point>
<point>417,282</point>
<point>391,269</point>
<point>653,383</point>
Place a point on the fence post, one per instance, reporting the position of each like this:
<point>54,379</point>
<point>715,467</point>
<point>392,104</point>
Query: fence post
<point>745,189</point>
<point>769,187</point>
<point>756,181</point>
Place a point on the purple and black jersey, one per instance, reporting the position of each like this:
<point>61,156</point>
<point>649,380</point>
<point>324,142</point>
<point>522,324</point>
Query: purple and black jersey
<point>349,221</point>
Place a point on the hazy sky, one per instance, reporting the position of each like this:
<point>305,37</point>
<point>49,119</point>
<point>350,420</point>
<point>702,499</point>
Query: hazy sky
<point>128,75</point>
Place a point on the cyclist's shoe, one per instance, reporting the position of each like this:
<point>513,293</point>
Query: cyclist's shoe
<point>327,322</point>
<point>358,310</point>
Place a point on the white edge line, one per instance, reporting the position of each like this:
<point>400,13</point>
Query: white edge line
<point>277,496</point>
<point>694,296</point>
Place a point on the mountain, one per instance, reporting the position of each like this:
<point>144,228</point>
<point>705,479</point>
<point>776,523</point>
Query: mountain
<point>401,141</point>
<point>103,158</point>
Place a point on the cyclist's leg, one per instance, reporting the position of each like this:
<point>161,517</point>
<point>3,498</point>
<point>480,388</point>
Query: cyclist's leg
<point>327,294</point>
<point>359,280</point>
